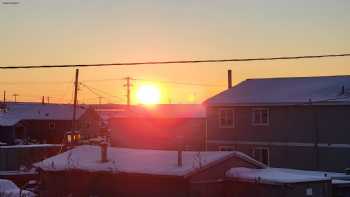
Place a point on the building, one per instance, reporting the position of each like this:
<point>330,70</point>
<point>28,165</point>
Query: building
<point>15,157</point>
<point>83,171</point>
<point>299,122</point>
<point>275,182</point>
<point>157,127</point>
<point>44,123</point>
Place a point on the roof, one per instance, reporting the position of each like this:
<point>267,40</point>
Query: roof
<point>283,175</point>
<point>156,111</point>
<point>286,91</point>
<point>36,111</point>
<point>136,161</point>
<point>271,176</point>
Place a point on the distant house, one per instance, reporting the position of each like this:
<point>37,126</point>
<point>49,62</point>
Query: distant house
<point>157,127</point>
<point>45,123</point>
<point>300,122</point>
<point>136,172</point>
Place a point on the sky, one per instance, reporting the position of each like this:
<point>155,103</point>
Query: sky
<point>41,32</point>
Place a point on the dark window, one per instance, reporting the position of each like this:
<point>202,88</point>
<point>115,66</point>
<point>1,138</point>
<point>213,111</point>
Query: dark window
<point>227,118</point>
<point>52,125</point>
<point>260,116</point>
<point>262,155</point>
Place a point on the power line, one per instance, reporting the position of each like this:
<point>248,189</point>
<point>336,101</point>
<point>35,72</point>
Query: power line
<point>95,91</point>
<point>180,61</point>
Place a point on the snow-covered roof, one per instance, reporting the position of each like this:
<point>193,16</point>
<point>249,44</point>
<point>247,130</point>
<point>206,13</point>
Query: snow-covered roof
<point>31,146</point>
<point>9,189</point>
<point>156,111</point>
<point>286,91</point>
<point>283,175</point>
<point>36,111</point>
<point>138,161</point>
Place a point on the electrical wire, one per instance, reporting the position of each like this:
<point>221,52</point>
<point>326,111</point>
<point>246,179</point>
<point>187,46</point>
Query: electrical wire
<point>180,61</point>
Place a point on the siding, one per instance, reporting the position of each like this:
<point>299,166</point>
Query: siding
<point>291,136</point>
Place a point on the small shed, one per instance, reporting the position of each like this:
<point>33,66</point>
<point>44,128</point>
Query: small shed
<point>139,172</point>
<point>276,182</point>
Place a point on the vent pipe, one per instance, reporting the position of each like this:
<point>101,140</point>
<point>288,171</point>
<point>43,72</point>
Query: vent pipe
<point>104,147</point>
<point>229,79</point>
<point>179,158</point>
<point>179,151</point>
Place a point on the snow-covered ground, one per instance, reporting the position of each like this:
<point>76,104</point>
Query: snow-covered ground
<point>9,189</point>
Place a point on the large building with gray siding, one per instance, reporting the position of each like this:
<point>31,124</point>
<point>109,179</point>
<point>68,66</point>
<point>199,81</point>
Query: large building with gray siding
<point>300,122</point>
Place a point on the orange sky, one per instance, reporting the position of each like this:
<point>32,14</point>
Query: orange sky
<point>76,32</point>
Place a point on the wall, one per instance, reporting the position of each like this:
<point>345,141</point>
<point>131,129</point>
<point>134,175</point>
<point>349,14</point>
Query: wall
<point>12,157</point>
<point>158,133</point>
<point>7,134</point>
<point>291,135</point>
<point>246,189</point>
<point>107,184</point>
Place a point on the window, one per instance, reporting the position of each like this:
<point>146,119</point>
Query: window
<point>227,118</point>
<point>227,148</point>
<point>260,117</point>
<point>52,125</point>
<point>262,154</point>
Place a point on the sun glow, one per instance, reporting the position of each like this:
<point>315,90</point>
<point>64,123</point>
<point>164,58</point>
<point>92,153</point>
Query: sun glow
<point>148,94</point>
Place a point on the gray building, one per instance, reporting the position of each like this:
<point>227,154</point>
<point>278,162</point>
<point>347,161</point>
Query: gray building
<point>300,122</point>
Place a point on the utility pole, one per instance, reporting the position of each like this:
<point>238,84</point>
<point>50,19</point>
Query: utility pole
<point>15,96</point>
<point>4,97</point>
<point>48,99</point>
<point>74,125</point>
<point>128,87</point>
<point>100,100</point>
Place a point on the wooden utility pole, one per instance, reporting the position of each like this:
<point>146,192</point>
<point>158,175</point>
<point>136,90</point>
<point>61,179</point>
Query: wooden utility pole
<point>48,99</point>
<point>4,96</point>
<point>100,100</point>
<point>128,93</point>
<point>15,97</point>
<point>74,125</point>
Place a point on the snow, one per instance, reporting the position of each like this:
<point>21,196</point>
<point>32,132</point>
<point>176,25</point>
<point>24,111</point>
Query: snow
<point>9,189</point>
<point>153,162</point>
<point>31,146</point>
<point>282,91</point>
<point>272,176</point>
<point>35,111</point>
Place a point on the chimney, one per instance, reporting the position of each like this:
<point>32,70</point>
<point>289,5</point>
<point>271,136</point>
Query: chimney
<point>229,79</point>
<point>179,157</point>
<point>179,150</point>
<point>43,100</point>
<point>104,147</point>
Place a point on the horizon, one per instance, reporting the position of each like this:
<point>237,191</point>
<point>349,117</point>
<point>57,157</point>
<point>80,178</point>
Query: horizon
<point>39,33</point>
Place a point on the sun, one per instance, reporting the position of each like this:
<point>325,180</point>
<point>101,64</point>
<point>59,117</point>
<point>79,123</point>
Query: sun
<point>148,94</point>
